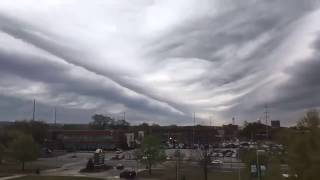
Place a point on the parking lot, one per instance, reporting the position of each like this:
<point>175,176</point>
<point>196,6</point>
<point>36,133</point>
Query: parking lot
<point>222,159</point>
<point>72,163</point>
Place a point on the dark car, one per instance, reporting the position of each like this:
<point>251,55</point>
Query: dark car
<point>119,166</point>
<point>128,174</point>
<point>231,146</point>
<point>228,154</point>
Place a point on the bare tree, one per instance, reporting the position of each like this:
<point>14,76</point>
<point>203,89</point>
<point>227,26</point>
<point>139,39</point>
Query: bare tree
<point>205,161</point>
<point>178,155</point>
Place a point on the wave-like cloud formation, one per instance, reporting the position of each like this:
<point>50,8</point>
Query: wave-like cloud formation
<point>160,60</point>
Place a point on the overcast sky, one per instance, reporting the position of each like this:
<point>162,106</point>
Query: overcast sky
<point>159,60</point>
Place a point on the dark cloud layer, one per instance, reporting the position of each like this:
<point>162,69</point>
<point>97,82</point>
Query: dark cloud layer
<point>223,59</point>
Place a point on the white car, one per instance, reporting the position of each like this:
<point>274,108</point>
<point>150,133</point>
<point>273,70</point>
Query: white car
<point>286,176</point>
<point>217,162</point>
<point>119,151</point>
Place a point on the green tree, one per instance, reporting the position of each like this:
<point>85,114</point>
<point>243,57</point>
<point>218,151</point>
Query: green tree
<point>6,137</point>
<point>310,121</point>
<point>251,130</point>
<point>150,152</point>
<point>24,149</point>
<point>2,152</point>
<point>120,124</point>
<point>38,129</point>
<point>304,148</point>
<point>101,122</point>
<point>274,169</point>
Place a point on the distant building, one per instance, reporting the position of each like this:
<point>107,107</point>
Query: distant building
<point>131,137</point>
<point>185,134</point>
<point>275,124</point>
<point>83,139</point>
<point>130,140</point>
<point>5,124</point>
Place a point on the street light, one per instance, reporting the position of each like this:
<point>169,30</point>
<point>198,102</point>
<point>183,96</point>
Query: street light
<point>258,166</point>
<point>146,157</point>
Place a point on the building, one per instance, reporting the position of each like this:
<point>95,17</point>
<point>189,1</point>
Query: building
<point>5,124</point>
<point>187,135</point>
<point>130,140</point>
<point>275,124</point>
<point>83,139</point>
<point>131,137</point>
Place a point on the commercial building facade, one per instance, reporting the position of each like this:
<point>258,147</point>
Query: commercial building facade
<point>83,139</point>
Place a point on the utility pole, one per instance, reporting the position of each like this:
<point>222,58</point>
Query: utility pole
<point>212,120</point>
<point>233,120</point>
<point>267,117</point>
<point>193,130</point>
<point>177,164</point>
<point>34,110</point>
<point>55,116</point>
<point>124,115</point>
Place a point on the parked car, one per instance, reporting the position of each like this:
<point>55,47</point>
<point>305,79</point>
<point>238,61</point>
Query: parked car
<point>228,154</point>
<point>119,166</point>
<point>217,162</point>
<point>231,146</point>
<point>234,155</point>
<point>215,154</point>
<point>119,151</point>
<point>128,174</point>
<point>287,176</point>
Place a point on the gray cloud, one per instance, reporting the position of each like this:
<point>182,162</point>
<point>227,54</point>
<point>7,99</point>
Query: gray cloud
<point>302,87</point>
<point>225,58</point>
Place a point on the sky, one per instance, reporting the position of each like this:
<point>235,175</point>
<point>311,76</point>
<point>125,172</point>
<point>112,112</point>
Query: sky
<point>159,61</point>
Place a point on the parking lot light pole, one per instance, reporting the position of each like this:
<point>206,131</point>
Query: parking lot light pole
<point>239,170</point>
<point>137,165</point>
<point>258,165</point>
<point>147,160</point>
